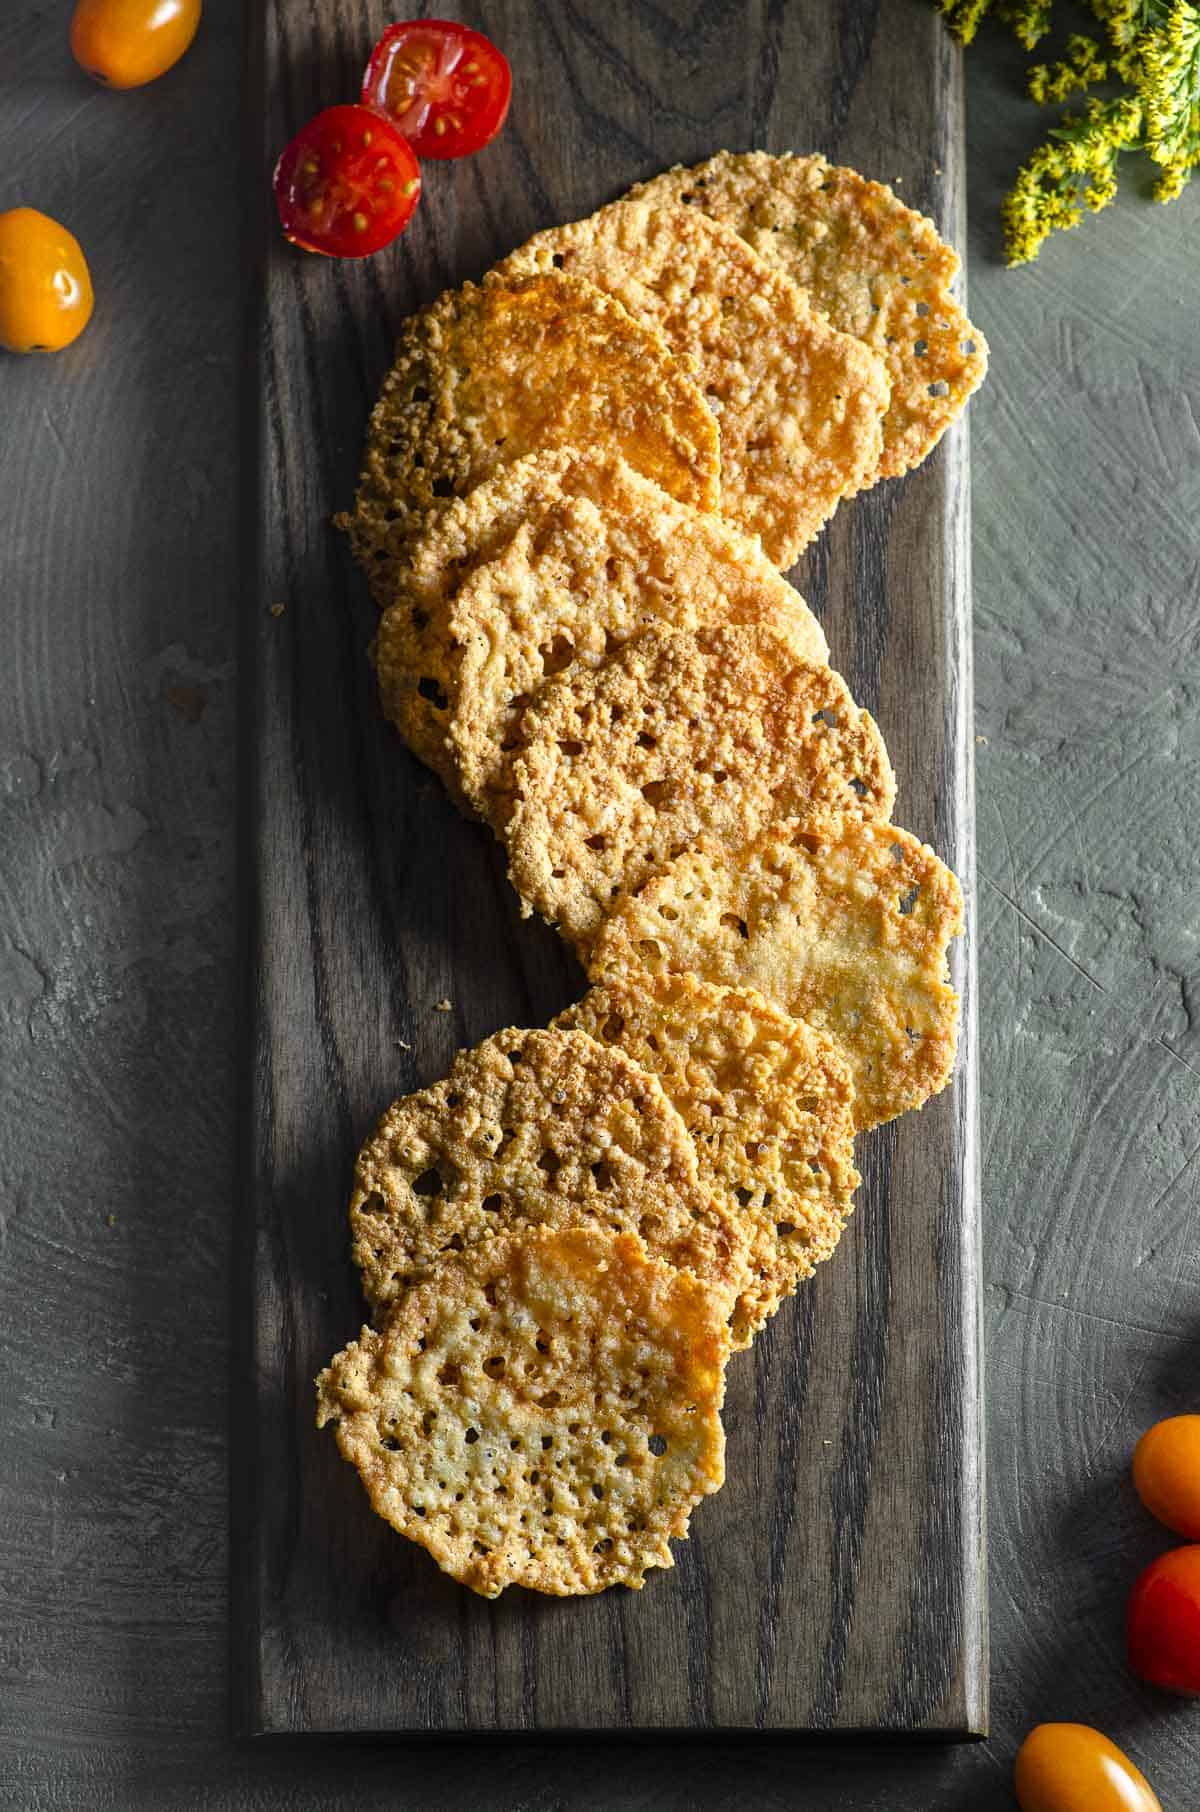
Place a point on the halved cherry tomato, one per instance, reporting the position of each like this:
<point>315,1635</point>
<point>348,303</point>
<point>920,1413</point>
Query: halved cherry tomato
<point>1073,1768</point>
<point>45,285</point>
<point>445,86</point>
<point>1163,1623</point>
<point>347,184</point>
<point>1166,1471</point>
<point>125,43</point>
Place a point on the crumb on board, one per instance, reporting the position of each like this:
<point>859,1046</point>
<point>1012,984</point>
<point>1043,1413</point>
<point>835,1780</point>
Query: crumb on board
<point>277,609</point>
<point>443,1006</point>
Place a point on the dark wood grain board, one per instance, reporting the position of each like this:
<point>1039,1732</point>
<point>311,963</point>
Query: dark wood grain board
<point>836,1584</point>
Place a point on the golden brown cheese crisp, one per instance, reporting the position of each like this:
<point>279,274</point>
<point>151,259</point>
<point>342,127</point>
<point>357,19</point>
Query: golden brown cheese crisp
<point>490,372</point>
<point>845,926</point>
<point>534,1128</point>
<point>600,555</point>
<point>799,404</point>
<point>769,1104</point>
<point>718,731</point>
<point>542,1411</point>
<point>874,267</point>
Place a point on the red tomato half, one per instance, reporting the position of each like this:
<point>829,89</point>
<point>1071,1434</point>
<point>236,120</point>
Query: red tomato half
<point>447,88</point>
<point>1163,1624</point>
<point>347,183</point>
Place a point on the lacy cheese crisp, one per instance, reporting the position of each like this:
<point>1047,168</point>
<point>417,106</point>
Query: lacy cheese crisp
<point>540,1411</point>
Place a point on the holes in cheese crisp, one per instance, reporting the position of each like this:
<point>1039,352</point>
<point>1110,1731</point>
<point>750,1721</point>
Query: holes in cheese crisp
<point>646,741</point>
<point>495,1365</point>
<point>597,842</point>
<point>669,913</point>
<point>571,748</point>
<point>491,1204</point>
<point>657,1445</point>
<point>612,1028</point>
<point>603,1546</point>
<point>547,1442</point>
<point>551,1163</point>
<point>941,388</point>
<point>430,1182</point>
<point>448,1373</point>
<point>859,786</point>
<point>657,792</point>
<point>826,716</point>
<point>427,1421</point>
<point>732,922</point>
<point>418,394</point>
<point>557,260</point>
<point>557,655</point>
<point>908,900</point>
<point>489,1293</point>
<point>745,1196</point>
<point>389,1441</point>
<point>542,1343</point>
<point>602,1176</point>
<point>475,1324</point>
<point>920,347</point>
<point>967,346</point>
<point>471,1436</point>
<point>785,1229</point>
<point>442,487</point>
<point>433,694</point>
<point>551,1400</point>
<point>649,950</point>
<point>598,1493</point>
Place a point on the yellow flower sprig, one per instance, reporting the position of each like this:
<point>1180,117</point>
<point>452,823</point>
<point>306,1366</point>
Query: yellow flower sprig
<point>1153,54</point>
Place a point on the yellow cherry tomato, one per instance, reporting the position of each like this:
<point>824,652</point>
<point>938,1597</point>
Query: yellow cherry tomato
<point>126,43</point>
<point>1073,1768</point>
<point>1166,1471</point>
<point>45,285</point>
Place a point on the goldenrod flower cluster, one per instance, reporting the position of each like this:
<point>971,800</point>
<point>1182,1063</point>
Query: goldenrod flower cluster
<point>1151,67</point>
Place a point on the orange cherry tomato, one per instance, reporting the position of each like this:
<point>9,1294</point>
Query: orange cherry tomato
<point>1163,1622</point>
<point>45,285</point>
<point>1166,1471</point>
<point>126,43</point>
<point>1073,1768</point>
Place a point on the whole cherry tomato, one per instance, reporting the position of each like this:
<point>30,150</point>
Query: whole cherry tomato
<point>45,285</point>
<point>1163,1622</point>
<point>347,183</point>
<point>447,88</point>
<point>1073,1768</point>
<point>1166,1471</point>
<point>126,43</point>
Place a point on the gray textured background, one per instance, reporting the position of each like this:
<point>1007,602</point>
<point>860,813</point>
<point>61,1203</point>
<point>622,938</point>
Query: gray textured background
<point>119,594</point>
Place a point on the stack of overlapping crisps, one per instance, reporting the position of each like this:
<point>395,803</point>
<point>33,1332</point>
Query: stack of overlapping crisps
<point>581,481</point>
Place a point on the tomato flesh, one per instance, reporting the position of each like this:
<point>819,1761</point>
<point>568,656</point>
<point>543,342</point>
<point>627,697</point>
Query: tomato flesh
<point>445,87</point>
<point>1166,1472</point>
<point>1073,1768</point>
<point>126,43</point>
<point>1163,1622</point>
<point>45,286</point>
<point>347,184</point>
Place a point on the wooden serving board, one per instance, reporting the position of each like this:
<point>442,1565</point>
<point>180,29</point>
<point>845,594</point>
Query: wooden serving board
<point>836,1584</point>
